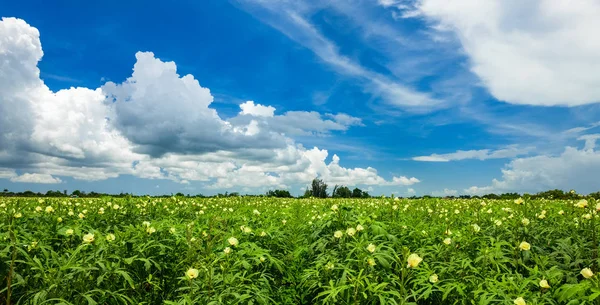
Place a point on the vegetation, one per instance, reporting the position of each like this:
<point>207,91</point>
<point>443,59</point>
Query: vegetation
<point>251,250</point>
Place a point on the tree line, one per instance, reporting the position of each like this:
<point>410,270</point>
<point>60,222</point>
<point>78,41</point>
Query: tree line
<point>317,189</point>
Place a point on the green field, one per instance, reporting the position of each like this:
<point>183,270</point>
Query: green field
<point>253,250</point>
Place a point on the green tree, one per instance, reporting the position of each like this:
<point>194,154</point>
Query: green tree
<point>318,188</point>
<point>341,192</point>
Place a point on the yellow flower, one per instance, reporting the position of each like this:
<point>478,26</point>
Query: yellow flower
<point>88,238</point>
<point>524,246</point>
<point>38,208</point>
<point>227,250</point>
<point>476,228</point>
<point>59,219</point>
<point>101,211</point>
<point>587,273</point>
<point>519,201</point>
<point>338,234</point>
<point>71,213</point>
<point>263,233</point>
<point>247,230</point>
<point>520,301</point>
<point>359,228</point>
<point>371,262</point>
<point>116,207</point>
<point>81,216</point>
<point>18,215</point>
<point>544,284</point>
<point>191,273</point>
<point>233,241</point>
<point>371,248</point>
<point>582,203</point>
<point>110,237</point>
<point>598,206</point>
<point>433,278</point>
<point>351,231</point>
<point>447,241</point>
<point>262,259</point>
<point>498,222</point>
<point>334,207</point>
<point>150,230</point>
<point>69,232</point>
<point>172,230</point>
<point>146,223</point>
<point>256,212</point>
<point>49,209</point>
<point>525,221</point>
<point>414,260</point>
<point>561,212</point>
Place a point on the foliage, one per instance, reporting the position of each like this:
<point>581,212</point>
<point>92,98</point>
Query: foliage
<point>260,250</point>
<point>318,188</point>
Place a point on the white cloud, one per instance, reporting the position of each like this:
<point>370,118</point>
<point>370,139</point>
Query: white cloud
<point>574,168</point>
<point>249,108</point>
<point>542,52</point>
<point>155,125</point>
<point>36,178</point>
<point>411,192</point>
<point>445,192</point>
<point>483,154</point>
<point>7,173</point>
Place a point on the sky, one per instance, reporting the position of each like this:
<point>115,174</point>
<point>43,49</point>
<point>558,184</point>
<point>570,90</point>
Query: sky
<point>403,97</point>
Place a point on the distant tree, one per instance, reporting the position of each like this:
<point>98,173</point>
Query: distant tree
<point>357,193</point>
<point>279,194</point>
<point>341,192</point>
<point>179,195</point>
<point>318,188</point>
<point>76,193</point>
<point>5,191</point>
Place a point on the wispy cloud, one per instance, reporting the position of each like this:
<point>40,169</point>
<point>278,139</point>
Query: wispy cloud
<point>289,20</point>
<point>482,154</point>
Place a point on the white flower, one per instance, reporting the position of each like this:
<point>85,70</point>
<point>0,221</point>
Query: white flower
<point>359,228</point>
<point>525,221</point>
<point>433,278</point>
<point>110,237</point>
<point>338,234</point>
<point>351,231</point>
<point>191,273</point>
<point>448,241</point>
<point>476,228</point>
<point>414,260</point>
<point>227,250</point>
<point>69,232</point>
<point>88,238</point>
<point>233,241</point>
<point>371,248</point>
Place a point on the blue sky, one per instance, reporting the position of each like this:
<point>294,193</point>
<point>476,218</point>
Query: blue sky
<point>413,97</point>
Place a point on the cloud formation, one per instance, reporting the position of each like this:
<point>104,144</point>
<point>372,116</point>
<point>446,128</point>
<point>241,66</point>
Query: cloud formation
<point>574,168</point>
<point>155,125</point>
<point>482,154</point>
<point>541,52</point>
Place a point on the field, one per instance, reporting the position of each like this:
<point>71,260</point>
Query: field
<point>252,250</point>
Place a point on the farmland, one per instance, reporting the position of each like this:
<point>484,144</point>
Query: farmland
<point>253,250</point>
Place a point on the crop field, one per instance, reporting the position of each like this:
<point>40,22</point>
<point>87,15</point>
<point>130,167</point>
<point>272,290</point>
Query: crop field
<point>258,250</point>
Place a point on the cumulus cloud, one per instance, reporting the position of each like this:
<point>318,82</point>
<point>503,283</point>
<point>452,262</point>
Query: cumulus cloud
<point>36,178</point>
<point>249,108</point>
<point>574,168</point>
<point>541,52</point>
<point>444,193</point>
<point>483,154</point>
<point>156,124</point>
